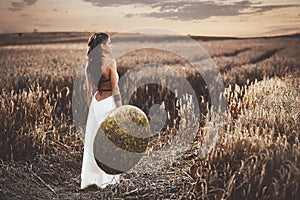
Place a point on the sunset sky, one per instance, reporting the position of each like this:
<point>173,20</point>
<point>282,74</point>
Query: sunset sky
<point>209,17</point>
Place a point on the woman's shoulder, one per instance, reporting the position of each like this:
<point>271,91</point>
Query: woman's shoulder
<point>111,62</point>
<point>108,59</point>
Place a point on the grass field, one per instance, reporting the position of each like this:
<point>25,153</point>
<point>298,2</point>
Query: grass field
<point>256,156</point>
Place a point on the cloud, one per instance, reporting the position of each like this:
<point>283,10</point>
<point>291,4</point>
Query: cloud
<point>129,15</point>
<point>24,15</point>
<point>277,30</point>
<point>58,10</point>
<point>108,3</point>
<point>17,6</point>
<point>30,2</point>
<point>29,17</point>
<point>195,10</point>
<point>204,10</point>
<point>191,9</point>
<point>42,25</point>
<point>261,9</point>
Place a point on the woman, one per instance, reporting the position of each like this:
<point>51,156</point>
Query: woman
<point>103,96</point>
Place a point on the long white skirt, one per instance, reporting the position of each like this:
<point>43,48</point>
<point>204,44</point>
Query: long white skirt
<point>91,173</point>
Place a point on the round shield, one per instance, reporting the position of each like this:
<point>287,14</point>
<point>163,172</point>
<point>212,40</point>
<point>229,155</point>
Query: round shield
<point>121,139</point>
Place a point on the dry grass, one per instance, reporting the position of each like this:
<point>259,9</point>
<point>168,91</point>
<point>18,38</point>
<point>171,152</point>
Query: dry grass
<point>256,155</point>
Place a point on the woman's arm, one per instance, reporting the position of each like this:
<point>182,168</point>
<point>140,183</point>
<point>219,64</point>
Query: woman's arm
<point>114,83</point>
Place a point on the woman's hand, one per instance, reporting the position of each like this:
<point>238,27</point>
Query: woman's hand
<point>118,103</point>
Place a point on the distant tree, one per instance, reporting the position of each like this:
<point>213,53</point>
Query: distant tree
<point>35,30</point>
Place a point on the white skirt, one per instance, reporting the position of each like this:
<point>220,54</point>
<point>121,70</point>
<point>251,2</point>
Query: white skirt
<point>91,173</point>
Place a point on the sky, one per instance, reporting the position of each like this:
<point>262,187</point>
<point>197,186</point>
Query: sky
<point>247,18</point>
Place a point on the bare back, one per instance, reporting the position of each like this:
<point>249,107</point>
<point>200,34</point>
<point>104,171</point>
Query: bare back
<point>107,70</point>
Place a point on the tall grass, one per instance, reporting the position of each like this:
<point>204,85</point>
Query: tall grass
<point>256,155</point>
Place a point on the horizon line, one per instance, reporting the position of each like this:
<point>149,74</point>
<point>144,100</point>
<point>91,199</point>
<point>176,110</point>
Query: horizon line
<point>191,35</point>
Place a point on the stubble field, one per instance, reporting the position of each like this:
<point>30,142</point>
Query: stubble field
<point>256,156</point>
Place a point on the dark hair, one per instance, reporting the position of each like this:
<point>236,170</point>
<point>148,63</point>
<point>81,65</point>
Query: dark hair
<point>94,56</point>
<point>96,39</point>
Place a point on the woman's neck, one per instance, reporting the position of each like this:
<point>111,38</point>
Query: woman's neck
<point>104,55</point>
